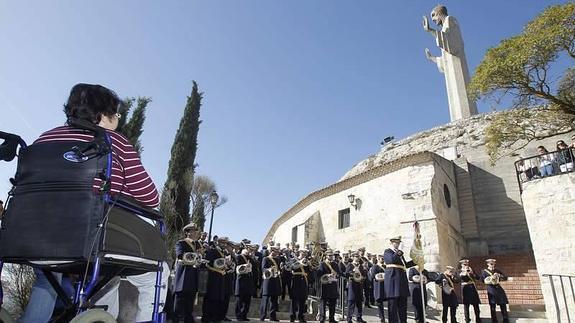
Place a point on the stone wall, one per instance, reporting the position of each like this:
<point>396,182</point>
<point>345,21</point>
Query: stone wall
<point>384,213</point>
<point>493,221</point>
<point>549,205</point>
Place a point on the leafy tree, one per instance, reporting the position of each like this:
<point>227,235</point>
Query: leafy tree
<point>513,129</point>
<point>175,201</point>
<point>133,128</point>
<point>523,67</point>
<point>202,188</point>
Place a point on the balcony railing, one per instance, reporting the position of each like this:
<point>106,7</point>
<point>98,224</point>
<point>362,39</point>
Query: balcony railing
<point>545,165</point>
<point>562,297</point>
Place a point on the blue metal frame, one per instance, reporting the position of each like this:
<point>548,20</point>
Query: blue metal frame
<point>82,292</point>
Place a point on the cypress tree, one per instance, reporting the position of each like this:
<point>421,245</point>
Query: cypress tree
<point>175,202</point>
<point>133,128</point>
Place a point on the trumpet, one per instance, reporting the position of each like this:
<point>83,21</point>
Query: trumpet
<point>493,279</point>
<point>193,259</point>
<point>357,276</point>
<point>328,279</point>
<point>271,272</point>
<point>244,269</point>
<point>220,263</point>
<point>419,278</point>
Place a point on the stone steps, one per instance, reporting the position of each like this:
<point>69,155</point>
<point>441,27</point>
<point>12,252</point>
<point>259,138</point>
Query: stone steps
<point>523,286</point>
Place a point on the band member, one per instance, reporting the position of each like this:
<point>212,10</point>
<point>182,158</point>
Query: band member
<point>414,276</point>
<point>367,290</point>
<point>376,274</point>
<point>396,285</point>
<point>215,291</point>
<point>286,257</point>
<point>300,274</point>
<point>356,275</point>
<point>244,287</point>
<point>447,282</point>
<point>271,284</point>
<point>229,279</point>
<point>186,280</point>
<point>469,290</point>
<point>495,293</point>
<point>328,274</point>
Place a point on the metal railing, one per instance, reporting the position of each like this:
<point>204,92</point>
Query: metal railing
<point>314,293</point>
<point>545,165</point>
<point>563,294</point>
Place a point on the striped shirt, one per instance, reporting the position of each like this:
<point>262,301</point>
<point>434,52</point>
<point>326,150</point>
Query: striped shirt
<point>129,177</point>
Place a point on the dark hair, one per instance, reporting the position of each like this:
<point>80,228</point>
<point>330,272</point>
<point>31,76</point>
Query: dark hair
<point>541,147</point>
<point>91,101</point>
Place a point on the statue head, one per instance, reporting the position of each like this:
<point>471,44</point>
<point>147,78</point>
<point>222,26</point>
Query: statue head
<point>438,14</point>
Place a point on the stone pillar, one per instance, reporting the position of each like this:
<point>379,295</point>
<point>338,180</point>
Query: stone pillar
<point>549,209</point>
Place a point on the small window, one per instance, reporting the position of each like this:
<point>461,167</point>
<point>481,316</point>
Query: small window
<point>294,234</point>
<point>447,195</point>
<point>343,218</point>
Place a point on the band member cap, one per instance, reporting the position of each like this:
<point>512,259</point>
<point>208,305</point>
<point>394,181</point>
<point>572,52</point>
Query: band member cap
<point>329,252</point>
<point>395,239</point>
<point>464,261</point>
<point>449,268</point>
<point>490,261</point>
<point>190,227</point>
<point>274,248</point>
<point>336,252</point>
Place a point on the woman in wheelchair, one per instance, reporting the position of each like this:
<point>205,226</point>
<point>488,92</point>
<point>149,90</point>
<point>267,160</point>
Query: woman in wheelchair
<point>73,197</point>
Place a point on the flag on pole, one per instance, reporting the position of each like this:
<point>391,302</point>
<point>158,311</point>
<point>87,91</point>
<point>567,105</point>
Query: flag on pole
<point>416,252</point>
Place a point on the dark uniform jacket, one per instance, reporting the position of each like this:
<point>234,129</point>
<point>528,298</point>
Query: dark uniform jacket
<point>354,289</point>
<point>415,288</point>
<point>216,287</point>
<point>300,280</point>
<point>272,286</point>
<point>378,287</point>
<point>396,278</point>
<point>468,288</point>
<point>451,298</point>
<point>187,277</point>
<point>328,290</point>
<point>245,285</point>
<point>495,293</point>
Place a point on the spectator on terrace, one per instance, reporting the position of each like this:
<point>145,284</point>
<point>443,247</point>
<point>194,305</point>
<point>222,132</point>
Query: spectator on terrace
<point>565,156</point>
<point>546,161</point>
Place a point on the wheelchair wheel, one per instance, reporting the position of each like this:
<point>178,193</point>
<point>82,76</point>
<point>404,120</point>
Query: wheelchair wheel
<point>5,317</point>
<point>94,315</point>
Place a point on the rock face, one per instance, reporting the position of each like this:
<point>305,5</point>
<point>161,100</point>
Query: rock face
<point>463,134</point>
<point>550,213</point>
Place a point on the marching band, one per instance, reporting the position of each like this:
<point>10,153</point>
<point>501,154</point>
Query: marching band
<point>240,269</point>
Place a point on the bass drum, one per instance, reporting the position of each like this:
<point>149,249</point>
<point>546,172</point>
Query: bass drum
<point>5,317</point>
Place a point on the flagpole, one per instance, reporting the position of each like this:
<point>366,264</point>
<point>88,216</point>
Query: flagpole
<point>421,285</point>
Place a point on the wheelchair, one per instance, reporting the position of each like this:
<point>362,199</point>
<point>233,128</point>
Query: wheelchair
<point>56,222</point>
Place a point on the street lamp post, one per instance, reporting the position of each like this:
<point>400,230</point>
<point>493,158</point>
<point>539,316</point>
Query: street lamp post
<point>213,200</point>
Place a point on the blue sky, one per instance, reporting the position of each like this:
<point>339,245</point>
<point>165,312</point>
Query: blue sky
<point>296,92</point>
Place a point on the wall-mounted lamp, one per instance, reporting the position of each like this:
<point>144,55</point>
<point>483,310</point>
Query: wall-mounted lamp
<point>355,202</point>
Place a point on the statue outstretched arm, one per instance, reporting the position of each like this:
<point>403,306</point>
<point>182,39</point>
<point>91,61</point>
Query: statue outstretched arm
<point>427,28</point>
<point>434,59</point>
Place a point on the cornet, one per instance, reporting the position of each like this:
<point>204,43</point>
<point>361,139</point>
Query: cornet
<point>379,277</point>
<point>357,276</point>
<point>193,259</point>
<point>328,279</point>
<point>244,269</point>
<point>493,279</point>
<point>447,289</point>
<point>271,272</point>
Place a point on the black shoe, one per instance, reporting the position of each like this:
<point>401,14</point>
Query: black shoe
<point>274,320</point>
<point>226,319</point>
<point>360,320</point>
<point>302,321</point>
